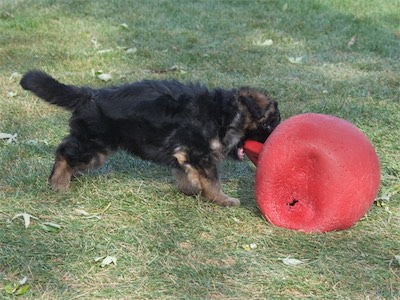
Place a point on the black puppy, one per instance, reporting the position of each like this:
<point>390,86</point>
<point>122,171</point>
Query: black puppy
<point>185,126</point>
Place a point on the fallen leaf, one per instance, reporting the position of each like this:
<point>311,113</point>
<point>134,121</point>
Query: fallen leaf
<point>249,247</point>
<point>106,260</point>
<point>27,218</point>
<point>82,212</point>
<point>14,75</point>
<point>105,77</point>
<point>121,47</point>
<point>292,261</point>
<point>95,43</point>
<point>352,41</point>
<point>131,50</point>
<point>124,25</point>
<point>93,217</point>
<point>12,94</point>
<point>380,203</point>
<point>23,280</point>
<point>51,227</point>
<point>22,290</point>
<point>104,51</point>
<point>295,60</point>
<point>386,196</point>
<point>8,137</point>
<point>10,288</point>
<point>389,193</point>
<point>96,259</point>
<point>265,43</point>
<point>17,288</point>
<point>237,220</point>
<point>87,215</point>
<point>174,68</point>
<point>6,15</point>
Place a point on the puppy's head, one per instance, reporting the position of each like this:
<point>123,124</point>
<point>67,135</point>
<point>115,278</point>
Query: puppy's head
<point>261,114</point>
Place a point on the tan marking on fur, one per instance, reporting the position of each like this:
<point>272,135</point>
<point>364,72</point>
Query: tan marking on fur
<point>97,161</point>
<point>262,101</point>
<point>250,124</point>
<point>193,176</point>
<point>191,182</point>
<point>180,156</point>
<point>211,189</point>
<point>216,148</point>
<point>61,176</point>
<point>62,172</point>
<point>270,112</point>
<point>215,144</point>
<point>187,180</point>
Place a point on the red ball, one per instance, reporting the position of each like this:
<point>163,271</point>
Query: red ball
<point>316,173</point>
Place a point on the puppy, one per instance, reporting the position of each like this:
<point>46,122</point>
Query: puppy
<point>185,126</point>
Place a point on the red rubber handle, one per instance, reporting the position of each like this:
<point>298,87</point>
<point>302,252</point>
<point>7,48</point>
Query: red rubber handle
<point>252,150</point>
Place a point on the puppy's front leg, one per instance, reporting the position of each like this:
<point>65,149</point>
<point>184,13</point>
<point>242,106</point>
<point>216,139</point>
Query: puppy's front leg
<point>191,181</point>
<point>211,189</point>
<point>187,180</point>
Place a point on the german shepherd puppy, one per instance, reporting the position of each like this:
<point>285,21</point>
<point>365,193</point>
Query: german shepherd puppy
<point>185,126</point>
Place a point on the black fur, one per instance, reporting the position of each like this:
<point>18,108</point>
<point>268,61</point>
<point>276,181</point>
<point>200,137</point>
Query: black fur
<point>185,126</point>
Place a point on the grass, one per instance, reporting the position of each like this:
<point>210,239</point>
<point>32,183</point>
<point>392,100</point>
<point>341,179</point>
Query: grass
<point>169,246</point>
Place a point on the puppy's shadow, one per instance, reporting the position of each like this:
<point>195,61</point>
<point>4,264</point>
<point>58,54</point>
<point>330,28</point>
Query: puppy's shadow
<point>237,178</point>
<point>242,174</point>
<point>121,165</point>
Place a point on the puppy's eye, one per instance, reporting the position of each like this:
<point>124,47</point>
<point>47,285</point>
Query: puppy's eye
<point>265,125</point>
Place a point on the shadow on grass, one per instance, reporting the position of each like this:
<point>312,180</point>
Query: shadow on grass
<point>238,172</point>
<point>325,33</point>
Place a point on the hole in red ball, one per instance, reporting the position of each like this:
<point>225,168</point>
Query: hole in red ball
<point>293,203</point>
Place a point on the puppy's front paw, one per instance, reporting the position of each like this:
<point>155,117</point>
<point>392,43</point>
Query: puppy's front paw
<point>229,201</point>
<point>58,186</point>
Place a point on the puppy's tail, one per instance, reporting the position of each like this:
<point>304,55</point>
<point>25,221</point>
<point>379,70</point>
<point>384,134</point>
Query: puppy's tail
<point>54,92</point>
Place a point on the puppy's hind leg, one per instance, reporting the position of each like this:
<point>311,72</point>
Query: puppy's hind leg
<point>72,156</point>
<point>61,174</point>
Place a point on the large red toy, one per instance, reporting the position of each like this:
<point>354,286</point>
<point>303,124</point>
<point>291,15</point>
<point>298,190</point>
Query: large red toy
<point>315,173</point>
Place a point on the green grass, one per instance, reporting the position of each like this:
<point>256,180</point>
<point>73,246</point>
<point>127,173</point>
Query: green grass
<point>169,246</point>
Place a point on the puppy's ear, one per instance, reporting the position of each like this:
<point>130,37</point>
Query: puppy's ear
<point>252,106</point>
